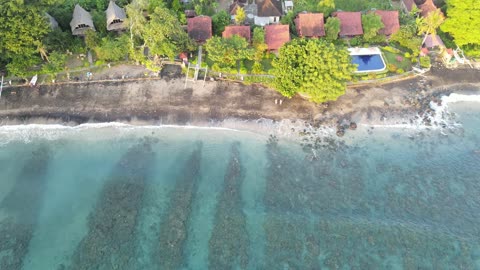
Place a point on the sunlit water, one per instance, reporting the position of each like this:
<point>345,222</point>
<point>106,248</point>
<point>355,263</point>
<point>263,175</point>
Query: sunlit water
<point>118,197</point>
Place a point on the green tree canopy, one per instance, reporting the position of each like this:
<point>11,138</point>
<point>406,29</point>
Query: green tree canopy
<point>219,21</point>
<point>227,52</point>
<point>332,28</point>
<point>371,23</point>
<point>112,49</point>
<point>463,21</point>
<point>326,7</point>
<point>312,67</point>
<point>259,45</point>
<point>164,35</point>
<point>407,37</point>
<point>23,25</point>
<point>429,25</point>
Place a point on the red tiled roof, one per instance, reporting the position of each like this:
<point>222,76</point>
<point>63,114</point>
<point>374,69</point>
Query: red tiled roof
<point>276,35</point>
<point>310,25</point>
<point>239,30</point>
<point>350,23</point>
<point>409,4</point>
<point>389,20</point>
<point>269,8</point>
<point>427,7</point>
<point>200,28</point>
<point>234,6</point>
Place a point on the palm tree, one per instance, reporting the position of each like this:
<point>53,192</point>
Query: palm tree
<point>428,25</point>
<point>42,50</point>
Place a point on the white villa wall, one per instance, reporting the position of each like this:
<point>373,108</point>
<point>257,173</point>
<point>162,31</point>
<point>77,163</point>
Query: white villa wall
<point>262,21</point>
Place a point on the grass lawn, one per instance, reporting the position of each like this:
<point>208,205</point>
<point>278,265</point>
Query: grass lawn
<point>391,58</point>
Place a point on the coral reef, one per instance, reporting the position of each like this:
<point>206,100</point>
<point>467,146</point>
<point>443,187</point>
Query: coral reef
<point>19,210</point>
<point>110,241</point>
<point>229,241</point>
<point>174,225</point>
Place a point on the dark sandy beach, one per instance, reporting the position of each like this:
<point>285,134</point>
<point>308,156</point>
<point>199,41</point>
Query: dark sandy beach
<point>166,101</point>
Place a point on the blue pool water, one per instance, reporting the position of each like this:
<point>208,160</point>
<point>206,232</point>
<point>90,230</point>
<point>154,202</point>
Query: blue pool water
<point>366,63</point>
<point>113,197</point>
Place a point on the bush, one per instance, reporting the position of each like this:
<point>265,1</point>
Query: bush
<point>425,62</point>
<point>99,63</point>
<point>391,49</point>
<point>392,67</point>
<point>356,41</point>
<point>407,55</point>
<point>399,59</point>
<point>257,68</point>
<point>400,71</point>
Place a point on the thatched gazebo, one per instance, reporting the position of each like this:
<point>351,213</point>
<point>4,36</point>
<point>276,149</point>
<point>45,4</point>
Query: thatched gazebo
<point>115,17</point>
<point>81,21</point>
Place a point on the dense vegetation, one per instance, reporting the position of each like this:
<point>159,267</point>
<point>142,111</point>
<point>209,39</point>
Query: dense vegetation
<point>463,23</point>
<point>312,67</point>
<point>28,45</point>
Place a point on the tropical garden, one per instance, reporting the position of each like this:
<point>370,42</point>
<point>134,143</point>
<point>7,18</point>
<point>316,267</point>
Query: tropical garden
<point>29,46</point>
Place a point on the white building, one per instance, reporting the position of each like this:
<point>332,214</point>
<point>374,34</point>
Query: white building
<point>268,12</point>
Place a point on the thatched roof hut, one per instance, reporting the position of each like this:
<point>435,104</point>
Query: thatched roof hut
<point>51,21</point>
<point>115,17</point>
<point>81,21</point>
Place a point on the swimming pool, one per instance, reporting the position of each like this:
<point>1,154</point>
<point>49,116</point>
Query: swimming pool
<point>367,59</point>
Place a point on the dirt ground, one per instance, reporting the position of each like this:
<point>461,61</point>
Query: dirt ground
<point>167,101</point>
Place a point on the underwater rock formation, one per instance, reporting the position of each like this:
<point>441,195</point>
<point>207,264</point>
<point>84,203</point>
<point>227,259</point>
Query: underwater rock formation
<point>110,241</point>
<point>174,225</point>
<point>229,241</point>
<point>20,209</point>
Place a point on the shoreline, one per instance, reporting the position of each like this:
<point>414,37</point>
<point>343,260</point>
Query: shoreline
<point>166,102</point>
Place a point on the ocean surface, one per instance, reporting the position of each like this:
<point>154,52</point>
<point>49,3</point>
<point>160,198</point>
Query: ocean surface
<point>113,196</point>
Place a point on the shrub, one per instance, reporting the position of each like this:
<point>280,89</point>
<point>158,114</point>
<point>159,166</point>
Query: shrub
<point>425,62</point>
<point>391,49</point>
<point>407,55</point>
<point>356,41</point>
<point>99,63</point>
<point>399,58</point>
<point>392,67</point>
<point>257,68</point>
<point>400,71</point>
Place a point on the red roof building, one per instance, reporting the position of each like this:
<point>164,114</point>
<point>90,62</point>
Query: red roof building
<point>234,7</point>
<point>350,23</point>
<point>200,28</point>
<point>389,20</point>
<point>427,7</point>
<point>239,30</point>
<point>408,4</point>
<point>276,35</point>
<point>310,25</point>
<point>269,8</point>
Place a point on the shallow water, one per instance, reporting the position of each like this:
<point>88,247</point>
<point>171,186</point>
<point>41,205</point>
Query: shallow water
<point>119,197</point>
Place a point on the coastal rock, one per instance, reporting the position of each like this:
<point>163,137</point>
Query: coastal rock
<point>340,132</point>
<point>353,125</point>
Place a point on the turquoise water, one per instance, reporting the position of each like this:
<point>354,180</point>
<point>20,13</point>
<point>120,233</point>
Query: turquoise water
<point>118,197</point>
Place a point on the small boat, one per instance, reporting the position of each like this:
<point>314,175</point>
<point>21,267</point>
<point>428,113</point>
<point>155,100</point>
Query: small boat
<point>34,80</point>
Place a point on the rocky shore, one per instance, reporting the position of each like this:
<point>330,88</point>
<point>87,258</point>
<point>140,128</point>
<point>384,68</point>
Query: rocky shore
<point>167,101</point>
